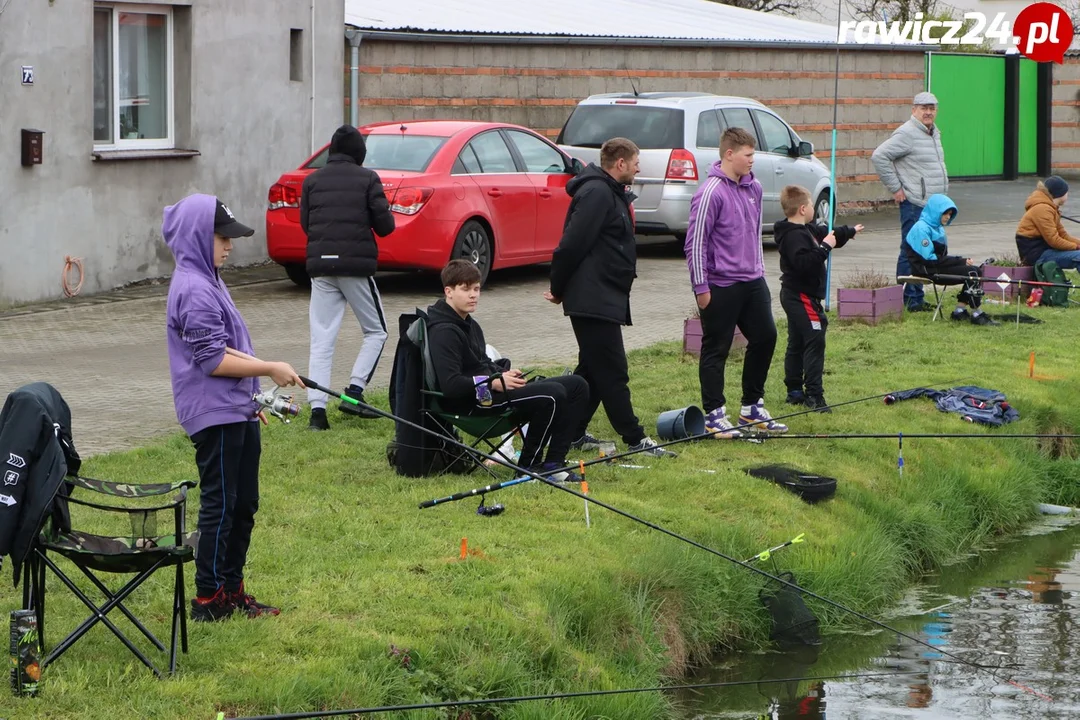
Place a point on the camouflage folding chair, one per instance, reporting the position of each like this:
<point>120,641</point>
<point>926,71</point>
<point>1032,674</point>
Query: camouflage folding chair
<point>141,552</point>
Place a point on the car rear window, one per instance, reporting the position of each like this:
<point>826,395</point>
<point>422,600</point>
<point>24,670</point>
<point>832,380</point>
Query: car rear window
<point>650,128</point>
<point>411,153</point>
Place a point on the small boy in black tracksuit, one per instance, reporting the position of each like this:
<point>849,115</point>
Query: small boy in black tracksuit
<point>474,385</point>
<point>804,248</point>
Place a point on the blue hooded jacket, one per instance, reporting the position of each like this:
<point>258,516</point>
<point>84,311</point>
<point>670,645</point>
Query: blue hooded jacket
<point>927,237</point>
<point>201,321</point>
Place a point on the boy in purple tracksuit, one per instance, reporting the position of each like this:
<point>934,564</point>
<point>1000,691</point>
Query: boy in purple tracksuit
<point>727,272</point>
<point>209,348</point>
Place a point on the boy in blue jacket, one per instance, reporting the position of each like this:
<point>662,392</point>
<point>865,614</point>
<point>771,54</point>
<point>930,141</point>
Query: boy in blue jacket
<point>928,252</point>
<point>214,377</point>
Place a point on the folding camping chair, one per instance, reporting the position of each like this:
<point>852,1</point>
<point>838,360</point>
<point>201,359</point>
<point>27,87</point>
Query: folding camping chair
<point>939,297</point>
<point>142,552</point>
<point>487,427</point>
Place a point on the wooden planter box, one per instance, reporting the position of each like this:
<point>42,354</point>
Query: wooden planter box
<point>692,336</point>
<point>870,305</point>
<point>991,288</point>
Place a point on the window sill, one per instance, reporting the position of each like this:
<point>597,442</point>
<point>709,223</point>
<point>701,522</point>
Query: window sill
<point>112,155</point>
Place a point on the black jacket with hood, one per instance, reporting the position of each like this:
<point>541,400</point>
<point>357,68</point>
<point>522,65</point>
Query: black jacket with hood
<point>342,208</point>
<point>459,353</point>
<point>595,264</point>
<point>803,254</point>
<point>36,453</point>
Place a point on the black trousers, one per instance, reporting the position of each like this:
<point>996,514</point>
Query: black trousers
<point>602,363</point>
<point>971,294</point>
<point>552,407</point>
<point>228,460</point>
<point>804,361</point>
<point>747,305</point>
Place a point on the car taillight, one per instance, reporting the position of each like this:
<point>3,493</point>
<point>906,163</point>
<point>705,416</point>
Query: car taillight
<point>681,165</point>
<point>410,200</point>
<point>283,196</point>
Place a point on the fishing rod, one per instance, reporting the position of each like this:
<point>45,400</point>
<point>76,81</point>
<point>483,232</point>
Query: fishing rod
<point>580,465</point>
<point>567,695</point>
<point>832,155</point>
<point>894,436</point>
<point>1040,283</point>
<point>671,533</point>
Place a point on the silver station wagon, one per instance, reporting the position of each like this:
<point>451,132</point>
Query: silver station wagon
<point>678,134</point>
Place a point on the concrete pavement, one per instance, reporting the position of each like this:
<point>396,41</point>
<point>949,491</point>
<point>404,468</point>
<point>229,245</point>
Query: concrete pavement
<point>106,354</point>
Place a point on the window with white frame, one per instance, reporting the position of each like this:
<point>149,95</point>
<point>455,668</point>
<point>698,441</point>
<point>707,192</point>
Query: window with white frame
<point>133,77</point>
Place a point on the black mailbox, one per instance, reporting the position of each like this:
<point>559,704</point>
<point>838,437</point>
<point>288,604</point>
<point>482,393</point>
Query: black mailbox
<point>32,147</point>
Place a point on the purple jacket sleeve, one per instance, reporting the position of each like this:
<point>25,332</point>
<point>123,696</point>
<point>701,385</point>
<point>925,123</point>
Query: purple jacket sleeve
<point>705,208</point>
<point>202,327</point>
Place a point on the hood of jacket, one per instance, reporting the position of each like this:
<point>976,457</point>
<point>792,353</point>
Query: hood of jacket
<point>593,173</point>
<point>188,228</point>
<point>783,229</point>
<point>348,141</point>
<point>936,206</point>
<point>715,171</point>
<point>441,313</point>
<point>1041,197</point>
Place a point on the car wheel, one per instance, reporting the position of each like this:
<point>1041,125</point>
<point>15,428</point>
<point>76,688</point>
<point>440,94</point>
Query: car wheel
<point>474,244</point>
<point>821,209</point>
<point>298,274</point>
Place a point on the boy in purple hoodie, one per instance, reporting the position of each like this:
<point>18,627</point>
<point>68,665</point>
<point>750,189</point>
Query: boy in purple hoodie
<point>727,272</point>
<point>214,377</point>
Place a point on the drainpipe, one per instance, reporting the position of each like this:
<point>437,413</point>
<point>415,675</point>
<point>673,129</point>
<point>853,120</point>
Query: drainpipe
<point>354,36</point>
<point>312,41</point>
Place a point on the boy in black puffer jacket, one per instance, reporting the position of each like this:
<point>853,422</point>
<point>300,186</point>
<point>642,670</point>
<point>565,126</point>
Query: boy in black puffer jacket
<point>342,209</point>
<point>472,384</point>
<point>804,248</point>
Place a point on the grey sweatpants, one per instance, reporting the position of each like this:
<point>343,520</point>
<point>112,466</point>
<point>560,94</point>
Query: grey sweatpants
<point>329,295</point>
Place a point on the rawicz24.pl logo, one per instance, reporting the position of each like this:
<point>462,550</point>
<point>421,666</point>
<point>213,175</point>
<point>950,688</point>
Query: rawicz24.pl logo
<point>1042,31</point>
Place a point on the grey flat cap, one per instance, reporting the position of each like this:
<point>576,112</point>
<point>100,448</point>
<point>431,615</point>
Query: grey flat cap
<point>925,98</point>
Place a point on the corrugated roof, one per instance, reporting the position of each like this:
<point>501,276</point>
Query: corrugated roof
<point>660,19</point>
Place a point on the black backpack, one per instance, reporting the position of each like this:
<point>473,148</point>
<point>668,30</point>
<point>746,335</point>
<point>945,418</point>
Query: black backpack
<point>1050,272</point>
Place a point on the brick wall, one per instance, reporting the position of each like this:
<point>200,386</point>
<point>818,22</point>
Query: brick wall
<point>1065,119</point>
<point>538,86</point>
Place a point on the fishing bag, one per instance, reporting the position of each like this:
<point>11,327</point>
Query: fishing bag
<point>1050,272</point>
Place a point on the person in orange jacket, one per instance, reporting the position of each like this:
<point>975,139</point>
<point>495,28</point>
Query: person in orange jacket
<point>1040,236</point>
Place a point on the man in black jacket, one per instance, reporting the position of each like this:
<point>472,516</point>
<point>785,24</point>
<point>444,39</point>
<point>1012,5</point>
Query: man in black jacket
<point>804,248</point>
<point>473,384</point>
<point>342,209</point>
<point>591,274</point>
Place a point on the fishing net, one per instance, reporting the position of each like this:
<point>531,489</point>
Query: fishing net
<point>792,621</point>
<point>809,486</point>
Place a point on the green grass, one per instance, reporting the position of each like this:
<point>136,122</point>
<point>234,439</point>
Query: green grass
<point>545,605</point>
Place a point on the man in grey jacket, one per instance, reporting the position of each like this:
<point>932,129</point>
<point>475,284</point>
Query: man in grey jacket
<point>911,165</point>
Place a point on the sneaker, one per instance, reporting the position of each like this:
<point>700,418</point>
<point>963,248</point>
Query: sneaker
<point>548,470</point>
<point>249,606</point>
<point>588,442</point>
<point>959,314</point>
<point>923,307</point>
<point>983,319</point>
<point>219,606</point>
<point>817,402</point>
<point>648,446</point>
<point>717,423</point>
<point>318,420</point>
<point>356,393</point>
<point>755,418</point>
<point>795,397</point>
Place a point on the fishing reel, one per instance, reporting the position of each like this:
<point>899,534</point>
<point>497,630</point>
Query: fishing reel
<point>277,405</point>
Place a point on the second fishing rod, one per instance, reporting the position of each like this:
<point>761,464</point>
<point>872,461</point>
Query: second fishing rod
<point>670,533</point>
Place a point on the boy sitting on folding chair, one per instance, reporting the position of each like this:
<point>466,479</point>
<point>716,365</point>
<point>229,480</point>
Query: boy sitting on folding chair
<point>927,250</point>
<point>472,384</point>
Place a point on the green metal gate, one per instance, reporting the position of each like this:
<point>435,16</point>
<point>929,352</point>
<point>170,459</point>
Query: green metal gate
<point>975,116</point>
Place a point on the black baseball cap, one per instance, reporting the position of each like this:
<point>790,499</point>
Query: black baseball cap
<point>226,224</point>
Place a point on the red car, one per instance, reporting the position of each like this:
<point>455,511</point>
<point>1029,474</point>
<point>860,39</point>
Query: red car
<point>490,192</point>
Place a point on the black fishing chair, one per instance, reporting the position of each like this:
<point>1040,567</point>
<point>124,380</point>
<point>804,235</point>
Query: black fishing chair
<point>141,551</point>
<point>490,428</point>
<point>939,297</point>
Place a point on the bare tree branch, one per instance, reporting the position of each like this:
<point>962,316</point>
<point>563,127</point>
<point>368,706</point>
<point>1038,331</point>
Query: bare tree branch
<point>787,7</point>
